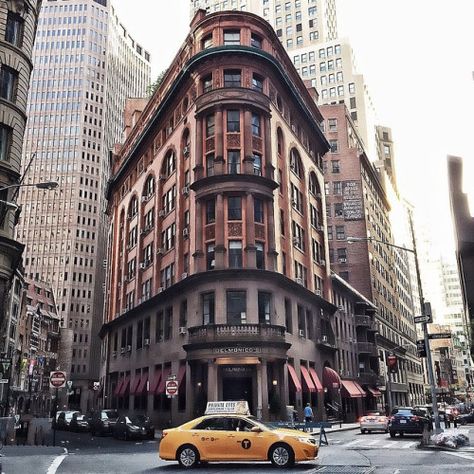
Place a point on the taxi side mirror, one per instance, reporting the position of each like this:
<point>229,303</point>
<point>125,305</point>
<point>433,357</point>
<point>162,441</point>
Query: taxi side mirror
<point>256,429</point>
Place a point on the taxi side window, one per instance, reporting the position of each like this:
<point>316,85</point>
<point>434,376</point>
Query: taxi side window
<point>219,424</point>
<point>241,425</point>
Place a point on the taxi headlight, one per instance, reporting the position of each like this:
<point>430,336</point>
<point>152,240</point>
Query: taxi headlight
<point>304,439</point>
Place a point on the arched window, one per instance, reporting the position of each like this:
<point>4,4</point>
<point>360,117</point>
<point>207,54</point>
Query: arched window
<point>295,163</point>
<point>149,188</point>
<point>314,187</point>
<point>185,105</point>
<point>133,207</point>
<point>169,164</point>
<point>280,144</point>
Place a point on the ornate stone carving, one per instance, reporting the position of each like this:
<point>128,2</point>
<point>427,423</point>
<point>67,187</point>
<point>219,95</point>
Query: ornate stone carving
<point>210,144</point>
<point>210,232</point>
<point>257,143</point>
<point>235,229</point>
<point>233,140</point>
<point>260,231</point>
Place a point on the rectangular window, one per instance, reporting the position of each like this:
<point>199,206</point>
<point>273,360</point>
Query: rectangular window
<point>183,313</point>
<point>340,232</point>
<point>210,122</point>
<point>210,211</point>
<point>232,78</point>
<point>236,307</point>
<point>235,254</point>
<point>257,165</point>
<point>256,124</point>
<point>5,142</point>
<point>334,146</point>
<point>342,255</point>
<point>301,321</point>
<point>168,322</point>
<point>260,255</point>
<point>255,41</point>
<point>257,83</point>
<point>332,122</point>
<point>338,209</point>
<point>210,164</point>
<point>208,308</point>
<point>8,83</point>
<point>207,83</point>
<point>207,42</point>
<point>258,214</point>
<point>298,236</point>
<point>233,162</point>
<point>231,37</point>
<point>336,166</point>
<point>14,29</point>
<point>337,187</point>
<point>264,302</point>
<point>288,316</point>
<point>139,340</point>
<point>210,257</point>
<point>233,121</point>
<point>234,208</point>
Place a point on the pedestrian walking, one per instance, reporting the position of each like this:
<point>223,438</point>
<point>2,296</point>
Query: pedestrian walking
<point>308,414</point>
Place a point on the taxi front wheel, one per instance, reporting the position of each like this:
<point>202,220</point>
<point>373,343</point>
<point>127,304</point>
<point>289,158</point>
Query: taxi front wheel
<point>188,457</point>
<point>281,455</point>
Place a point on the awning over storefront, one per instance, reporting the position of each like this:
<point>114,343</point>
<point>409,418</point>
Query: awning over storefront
<point>361,390</point>
<point>142,385</point>
<point>155,381</point>
<point>350,390</point>
<point>331,378</point>
<point>307,379</point>
<point>164,376</point>
<point>317,382</point>
<point>118,386</point>
<point>181,373</point>
<point>134,385</point>
<point>124,387</point>
<point>294,378</point>
<point>374,392</point>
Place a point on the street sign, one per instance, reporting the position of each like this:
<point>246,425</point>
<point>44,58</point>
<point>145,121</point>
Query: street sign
<point>427,309</point>
<point>421,348</point>
<point>171,388</point>
<point>57,379</point>
<point>5,364</point>
<point>425,318</point>
<point>446,335</point>
<point>3,380</point>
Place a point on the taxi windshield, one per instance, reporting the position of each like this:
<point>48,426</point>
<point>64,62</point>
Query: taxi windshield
<point>268,426</point>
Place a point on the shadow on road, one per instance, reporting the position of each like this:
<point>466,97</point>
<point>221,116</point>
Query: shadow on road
<point>222,467</point>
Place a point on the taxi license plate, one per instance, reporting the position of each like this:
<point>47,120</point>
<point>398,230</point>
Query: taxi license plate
<point>403,421</point>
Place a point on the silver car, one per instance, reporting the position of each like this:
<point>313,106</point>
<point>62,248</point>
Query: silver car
<point>373,421</point>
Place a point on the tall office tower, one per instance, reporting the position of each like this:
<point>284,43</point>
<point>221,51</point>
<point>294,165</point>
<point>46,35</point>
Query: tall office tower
<point>308,31</point>
<point>86,65</point>
<point>18,21</point>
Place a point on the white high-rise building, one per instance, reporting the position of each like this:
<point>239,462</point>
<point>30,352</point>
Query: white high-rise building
<point>85,66</point>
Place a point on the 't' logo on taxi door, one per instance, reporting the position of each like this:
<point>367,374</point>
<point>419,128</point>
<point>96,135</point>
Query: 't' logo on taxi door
<point>246,443</point>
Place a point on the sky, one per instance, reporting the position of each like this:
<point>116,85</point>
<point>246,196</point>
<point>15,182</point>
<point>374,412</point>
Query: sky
<point>417,58</point>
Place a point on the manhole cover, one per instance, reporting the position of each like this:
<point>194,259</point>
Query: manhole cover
<point>344,470</point>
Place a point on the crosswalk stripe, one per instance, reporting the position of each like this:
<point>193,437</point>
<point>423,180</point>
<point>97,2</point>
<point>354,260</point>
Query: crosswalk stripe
<point>409,445</point>
<point>460,455</point>
<point>373,442</point>
<point>356,441</point>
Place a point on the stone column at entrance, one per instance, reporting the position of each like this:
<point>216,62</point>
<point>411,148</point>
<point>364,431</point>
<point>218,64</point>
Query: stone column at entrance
<point>262,384</point>
<point>212,381</point>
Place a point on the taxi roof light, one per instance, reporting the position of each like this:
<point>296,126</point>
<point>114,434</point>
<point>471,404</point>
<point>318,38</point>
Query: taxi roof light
<point>240,407</point>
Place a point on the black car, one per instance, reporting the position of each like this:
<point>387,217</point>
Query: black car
<point>466,418</point>
<point>79,422</point>
<point>406,420</point>
<point>102,422</point>
<point>134,427</point>
<point>63,419</point>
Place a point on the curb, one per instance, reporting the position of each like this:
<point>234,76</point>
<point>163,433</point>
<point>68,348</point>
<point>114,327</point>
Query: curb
<point>331,430</point>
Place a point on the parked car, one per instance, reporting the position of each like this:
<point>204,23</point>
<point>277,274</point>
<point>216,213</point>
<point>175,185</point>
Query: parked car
<point>63,419</point>
<point>467,418</point>
<point>133,427</point>
<point>373,421</point>
<point>407,420</point>
<point>79,422</point>
<point>102,422</point>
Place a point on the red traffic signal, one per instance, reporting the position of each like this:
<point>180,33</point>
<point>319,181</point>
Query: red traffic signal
<point>392,363</point>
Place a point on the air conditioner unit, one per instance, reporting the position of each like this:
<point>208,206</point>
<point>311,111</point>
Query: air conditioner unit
<point>160,289</point>
<point>294,202</point>
<point>184,275</point>
<point>129,348</point>
<point>299,280</point>
<point>185,190</point>
<point>318,292</point>
<point>319,195</point>
<point>319,228</point>
<point>160,251</point>
<point>142,265</point>
<point>342,260</point>
<point>161,213</point>
<point>322,262</point>
<point>114,353</point>
<point>145,198</point>
<point>301,333</point>
<point>185,232</point>
<point>182,330</point>
<point>296,241</point>
<point>146,342</point>
<point>341,308</point>
<point>186,151</point>
<point>324,338</point>
<point>122,350</point>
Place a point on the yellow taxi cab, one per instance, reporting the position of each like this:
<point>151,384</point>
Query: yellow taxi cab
<point>227,432</point>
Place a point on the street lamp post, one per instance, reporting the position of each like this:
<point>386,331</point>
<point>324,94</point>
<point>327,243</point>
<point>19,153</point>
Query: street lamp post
<point>422,305</point>
<point>48,185</point>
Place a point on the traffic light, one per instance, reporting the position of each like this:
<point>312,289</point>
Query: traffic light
<point>392,363</point>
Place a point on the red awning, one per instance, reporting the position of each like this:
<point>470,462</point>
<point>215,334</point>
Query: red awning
<point>375,393</point>
<point>118,386</point>
<point>350,389</point>
<point>294,378</point>
<point>124,387</point>
<point>162,384</point>
<point>134,385</point>
<point>181,372</point>
<point>331,378</point>
<point>361,390</point>
<point>317,382</point>
<point>156,381</point>
<point>142,384</point>
<point>307,379</point>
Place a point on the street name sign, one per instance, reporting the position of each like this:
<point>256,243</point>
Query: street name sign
<point>425,318</point>
<point>57,379</point>
<point>3,380</point>
<point>446,335</point>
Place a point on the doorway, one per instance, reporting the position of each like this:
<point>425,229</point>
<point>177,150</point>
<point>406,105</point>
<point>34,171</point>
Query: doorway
<point>238,388</point>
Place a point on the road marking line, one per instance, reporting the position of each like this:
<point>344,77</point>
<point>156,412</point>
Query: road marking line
<point>56,463</point>
<point>460,455</point>
<point>351,443</point>
<point>408,445</point>
<point>389,445</point>
<point>397,471</point>
<point>373,442</point>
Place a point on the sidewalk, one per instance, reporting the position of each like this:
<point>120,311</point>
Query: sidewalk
<point>337,427</point>
<point>465,430</point>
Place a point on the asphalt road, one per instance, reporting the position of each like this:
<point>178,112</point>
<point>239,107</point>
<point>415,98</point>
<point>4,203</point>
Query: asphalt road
<point>348,452</point>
